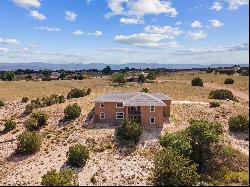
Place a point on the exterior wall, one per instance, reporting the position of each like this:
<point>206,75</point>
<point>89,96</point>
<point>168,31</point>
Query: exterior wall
<point>166,110</point>
<point>146,114</point>
<point>109,110</point>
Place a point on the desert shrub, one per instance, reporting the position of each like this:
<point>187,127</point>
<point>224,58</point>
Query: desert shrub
<point>46,78</point>
<point>9,125</point>
<point>1,103</point>
<point>141,78</point>
<point>229,81</point>
<point>202,135</point>
<point>221,94</point>
<point>66,177</point>
<point>77,155</point>
<point>28,143</point>
<point>179,142</point>
<point>197,82</point>
<point>237,177</point>
<point>72,112</point>
<point>214,104</point>
<point>25,99</point>
<point>172,169</point>
<point>41,118</point>
<point>28,77</point>
<point>151,75</point>
<point>238,123</point>
<point>31,124</point>
<point>61,99</point>
<point>88,91</point>
<point>146,90</point>
<point>8,76</point>
<point>119,78</point>
<point>130,130</point>
<point>76,93</point>
<point>29,108</point>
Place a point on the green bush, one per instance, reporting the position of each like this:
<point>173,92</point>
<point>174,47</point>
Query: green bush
<point>28,143</point>
<point>25,99</point>
<point>172,169</point>
<point>141,78</point>
<point>8,76</point>
<point>179,142</point>
<point>146,90</point>
<point>76,93</point>
<point>151,75</point>
<point>229,81</point>
<point>221,94</point>
<point>9,125</point>
<point>214,104</point>
<point>66,177</point>
<point>1,103</point>
<point>72,112</point>
<point>61,99</point>
<point>197,82</point>
<point>41,118</point>
<point>77,155</point>
<point>238,124</point>
<point>29,108</point>
<point>31,124</point>
<point>130,130</point>
<point>237,177</point>
<point>119,78</point>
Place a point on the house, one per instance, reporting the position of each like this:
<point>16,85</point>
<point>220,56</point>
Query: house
<point>151,110</point>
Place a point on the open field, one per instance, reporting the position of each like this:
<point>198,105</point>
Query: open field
<point>110,165</point>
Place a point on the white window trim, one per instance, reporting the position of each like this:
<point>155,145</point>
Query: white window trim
<point>101,104</point>
<point>151,110</point>
<point>101,115</point>
<point>151,122</point>
<point>119,112</point>
<point>119,107</point>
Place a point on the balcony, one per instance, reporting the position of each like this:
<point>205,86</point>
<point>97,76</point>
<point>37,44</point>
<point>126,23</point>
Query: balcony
<point>132,112</point>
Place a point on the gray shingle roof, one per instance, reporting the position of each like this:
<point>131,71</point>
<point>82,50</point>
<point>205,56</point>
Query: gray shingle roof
<point>134,99</point>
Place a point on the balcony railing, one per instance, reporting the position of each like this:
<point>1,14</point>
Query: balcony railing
<point>131,112</point>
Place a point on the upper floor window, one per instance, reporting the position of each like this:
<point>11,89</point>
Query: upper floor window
<point>119,105</point>
<point>152,109</point>
<point>101,105</point>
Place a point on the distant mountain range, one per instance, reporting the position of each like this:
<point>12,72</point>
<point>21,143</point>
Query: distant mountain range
<point>99,66</point>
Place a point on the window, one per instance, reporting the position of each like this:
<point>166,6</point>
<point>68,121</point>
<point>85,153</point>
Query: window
<point>102,115</point>
<point>152,120</point>
<point>119,115</point>
<point>119,105</point>
<point>152,109</point>
<point>101,105</point>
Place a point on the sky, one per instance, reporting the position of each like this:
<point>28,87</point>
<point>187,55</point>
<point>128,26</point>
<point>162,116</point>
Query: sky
<point>124,31</point>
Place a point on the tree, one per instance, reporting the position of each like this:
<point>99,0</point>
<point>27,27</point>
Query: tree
<point>107,70</point>
<point>72,112</point>
<point>151,75</point>
<point>172,169</point>
<point>197,82</point>
<point>141,78</point>
<point>46,72</point>
<point>119,78</point>
<point>8,76</point>
<point>63,75</point>
<point>77,155</point>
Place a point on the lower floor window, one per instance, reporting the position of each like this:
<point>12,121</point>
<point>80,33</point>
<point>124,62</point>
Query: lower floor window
<point>102,115</point>
<point>119,115</point>
<point>152,120</point>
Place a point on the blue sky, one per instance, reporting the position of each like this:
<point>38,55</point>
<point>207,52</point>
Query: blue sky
<point>124,31</point>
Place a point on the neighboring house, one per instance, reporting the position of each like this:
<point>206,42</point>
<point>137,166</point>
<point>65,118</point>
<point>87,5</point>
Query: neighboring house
<point>151,110</point>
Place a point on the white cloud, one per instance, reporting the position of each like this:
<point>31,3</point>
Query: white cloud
<point>78,33</point>
<point>9,41</point>
<point>235,4</point>
<point>158,45</point>
<point>88,1</point>
<point>37,15</point>
<point>140,8</point>
<point>3,50</point>
<point>217,6</point>
<point>131,21</point>
<point>50,29</point>
<point>216,23</point>
<point>178,23</point>
<point>121,50</point>
<point>197,35</point>
<point>196,24</point>
<point>70,16</point>
<point>33,45</point>
<point>170,32</point>
<point>27,3</point>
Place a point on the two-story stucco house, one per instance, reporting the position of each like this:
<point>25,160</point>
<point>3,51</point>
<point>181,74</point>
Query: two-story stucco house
<point>148,109</point>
